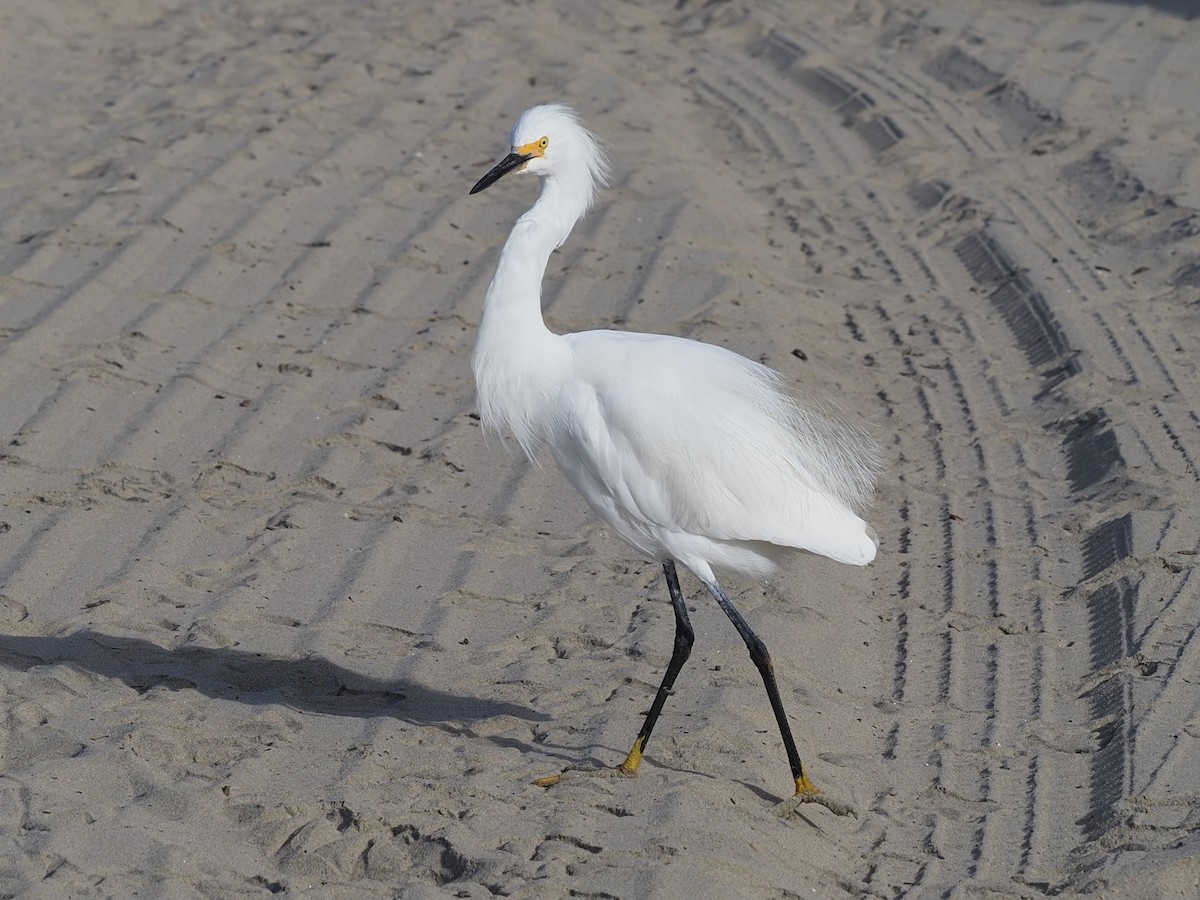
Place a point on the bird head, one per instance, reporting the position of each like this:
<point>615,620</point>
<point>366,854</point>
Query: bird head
<point>550,141</point>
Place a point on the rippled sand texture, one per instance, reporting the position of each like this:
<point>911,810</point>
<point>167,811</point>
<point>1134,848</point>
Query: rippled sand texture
<point>275,617</point>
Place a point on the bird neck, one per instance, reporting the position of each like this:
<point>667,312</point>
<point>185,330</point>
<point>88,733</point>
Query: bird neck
<point>512,309</point>
<point>517,359</point>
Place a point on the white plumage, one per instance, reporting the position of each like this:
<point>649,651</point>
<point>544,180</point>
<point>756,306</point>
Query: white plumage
<point>690,452</point>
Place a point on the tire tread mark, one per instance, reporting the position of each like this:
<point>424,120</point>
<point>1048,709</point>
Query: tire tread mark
<point>1022,307</point>
<point>1090,445</point>
<point>1106,545</point>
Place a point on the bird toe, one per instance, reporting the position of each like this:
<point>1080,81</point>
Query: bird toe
<point>807,792</point>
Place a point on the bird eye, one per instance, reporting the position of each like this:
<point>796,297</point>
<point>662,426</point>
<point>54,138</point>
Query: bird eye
<point>544,143</point>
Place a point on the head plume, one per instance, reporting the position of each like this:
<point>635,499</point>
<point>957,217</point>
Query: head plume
<point>572,155</point>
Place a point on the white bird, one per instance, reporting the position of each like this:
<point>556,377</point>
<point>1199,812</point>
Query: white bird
<point>690,452</point>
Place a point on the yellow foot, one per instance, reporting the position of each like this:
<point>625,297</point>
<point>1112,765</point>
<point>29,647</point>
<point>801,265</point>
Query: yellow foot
<point>573,772</point>
<point>627,769</point>
<point>806,792</point>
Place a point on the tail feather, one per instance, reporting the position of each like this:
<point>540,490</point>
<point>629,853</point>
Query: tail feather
<point>840,535</point>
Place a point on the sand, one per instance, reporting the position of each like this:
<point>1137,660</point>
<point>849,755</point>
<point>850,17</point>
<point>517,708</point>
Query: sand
<point>277,618</point>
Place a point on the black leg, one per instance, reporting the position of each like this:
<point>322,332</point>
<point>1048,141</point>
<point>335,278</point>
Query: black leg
<point>806,792</point>
<point>762,660</point>
<point>683,648</point>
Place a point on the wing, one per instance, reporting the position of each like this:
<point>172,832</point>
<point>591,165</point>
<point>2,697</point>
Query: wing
<point>692,438</point>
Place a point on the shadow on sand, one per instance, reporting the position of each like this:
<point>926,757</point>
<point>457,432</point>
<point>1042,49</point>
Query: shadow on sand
<point>307,684</point>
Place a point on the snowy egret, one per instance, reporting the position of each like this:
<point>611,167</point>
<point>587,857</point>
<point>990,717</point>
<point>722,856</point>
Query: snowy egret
<point>690,452</point>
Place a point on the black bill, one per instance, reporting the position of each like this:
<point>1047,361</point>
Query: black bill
<point>502,168</point>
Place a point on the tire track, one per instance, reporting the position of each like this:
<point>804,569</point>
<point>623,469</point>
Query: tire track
<point>980,591</point>
<point>1097,455</point>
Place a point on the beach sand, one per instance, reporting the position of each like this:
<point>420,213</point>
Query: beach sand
<point>278,618</point>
